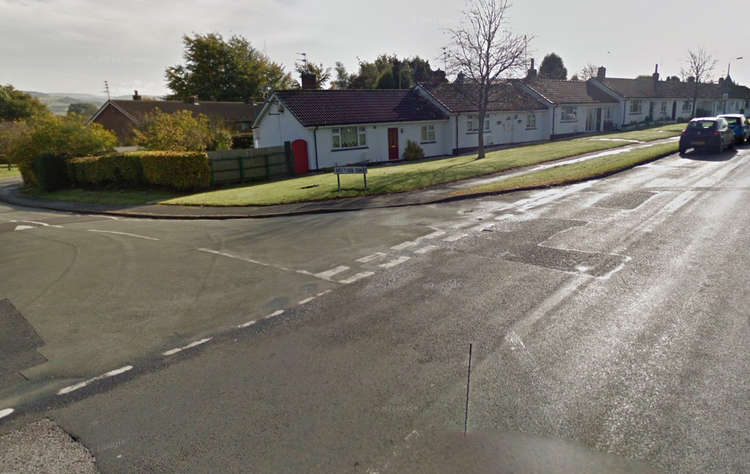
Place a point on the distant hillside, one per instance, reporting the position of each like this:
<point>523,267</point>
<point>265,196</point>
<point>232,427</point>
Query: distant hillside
<point>58,102</point>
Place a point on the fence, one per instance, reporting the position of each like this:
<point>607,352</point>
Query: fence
<point>255,164</point>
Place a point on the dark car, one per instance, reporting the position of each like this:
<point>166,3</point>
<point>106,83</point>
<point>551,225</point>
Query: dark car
<point>707,133</point>
<point>738,123</point>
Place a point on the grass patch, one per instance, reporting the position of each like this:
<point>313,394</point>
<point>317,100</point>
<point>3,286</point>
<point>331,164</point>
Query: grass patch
<point>105,196</point>
<point>576,172</point>
<point>9,173</point>
<point>412,176</point>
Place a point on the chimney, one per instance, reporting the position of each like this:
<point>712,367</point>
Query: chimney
<point>655,75</point>
<point>308,81</point>
<point>459,79</point>
<point>601,73</point>
<point>136,95</point>
<point>531,74</point>
<point>691,80</point>
<point>193,99</point>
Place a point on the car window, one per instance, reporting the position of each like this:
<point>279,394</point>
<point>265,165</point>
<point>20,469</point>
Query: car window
<point>702,124</point>
<point>732,120</point>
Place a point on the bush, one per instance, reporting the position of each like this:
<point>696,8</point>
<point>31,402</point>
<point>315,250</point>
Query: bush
<point>413,151</point>
<point>242,141</point>
<point>120,169</point>
<point>49,171</point>
<point>176,170</point>
<point>181,131</point>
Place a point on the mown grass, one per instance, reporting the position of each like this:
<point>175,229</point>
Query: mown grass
<point>9,173</point>
<point>575,172</point>
<point>413,176</point>
<point>105,196</point>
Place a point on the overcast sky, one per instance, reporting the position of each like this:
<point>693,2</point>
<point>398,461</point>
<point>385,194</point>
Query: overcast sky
<point>74,45</point>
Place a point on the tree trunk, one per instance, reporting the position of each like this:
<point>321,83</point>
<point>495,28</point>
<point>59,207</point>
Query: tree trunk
<point>480,136</point>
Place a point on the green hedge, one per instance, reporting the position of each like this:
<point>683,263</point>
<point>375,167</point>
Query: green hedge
<point>49,171</point>
<point>178,170</point>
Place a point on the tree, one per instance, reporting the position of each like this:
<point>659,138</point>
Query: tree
<point>589,71</point>
<point>343,79</point>
<point>84,109</point>
<point>390,72</point>
<point>482,50</point>
<point>181,131</point>
<point>224,70</point>
<point>17,105</point>
<point>574,77</point>
<point>552,68</point>
<point>320,74</point>
<point>699,65</point>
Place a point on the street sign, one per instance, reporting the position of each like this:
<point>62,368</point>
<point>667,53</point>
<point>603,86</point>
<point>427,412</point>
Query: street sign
<point>339,170</point>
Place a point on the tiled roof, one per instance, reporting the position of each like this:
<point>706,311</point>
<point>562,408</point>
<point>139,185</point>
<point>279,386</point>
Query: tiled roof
<point>227,111</point>
<point>504,96</point>
<point>739,92</point>
<point>649,89</point>
<point>570,92</point>
<point>338,107</point>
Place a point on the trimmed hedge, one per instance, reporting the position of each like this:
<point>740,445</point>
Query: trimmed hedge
<point>49,171</point>
<point>178,170</point>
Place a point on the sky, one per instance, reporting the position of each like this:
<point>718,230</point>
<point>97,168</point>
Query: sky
<point>75,45</point>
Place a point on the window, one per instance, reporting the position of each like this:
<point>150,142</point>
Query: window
<point>635,107</point>
<point>664,107</point>
<point>608,113</point>
<point>428,133</point>
<point>687,106</point>
<point>244,126</point>
<point>349,137</point>
<point>530,121</point>
<point>569,114</point>
<point>472,124</point>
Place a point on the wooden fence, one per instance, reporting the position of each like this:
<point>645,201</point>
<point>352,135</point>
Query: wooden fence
<point>255,164</point>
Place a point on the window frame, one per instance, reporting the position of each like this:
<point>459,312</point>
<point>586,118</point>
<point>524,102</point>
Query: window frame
<point>568,111</point>
<point>531,121</point>
<point>636,110</point>
<point>337,135</point>
<point>472,128</point>
<point>428,134</point>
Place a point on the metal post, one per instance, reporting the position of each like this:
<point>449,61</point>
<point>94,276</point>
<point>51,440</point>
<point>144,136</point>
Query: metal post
<point>242,169</point>
<point>338,178</point>
<point>289,158</point>
<point>364,175</point>
<point>468,382</point>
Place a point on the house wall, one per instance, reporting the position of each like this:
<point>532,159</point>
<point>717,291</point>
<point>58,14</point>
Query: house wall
<point>115,121</point>
<point>566,127</point>
<point>505,128</point>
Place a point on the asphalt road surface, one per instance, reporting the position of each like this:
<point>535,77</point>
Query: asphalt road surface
<point>610,316</point>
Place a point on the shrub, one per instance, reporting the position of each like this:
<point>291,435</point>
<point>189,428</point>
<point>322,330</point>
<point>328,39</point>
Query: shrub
<point>176,170</point>
<point>49,171</point>
<point>242,141</point>
<point>181,131</point>
<point>413,151</point>
<point>119,169</point>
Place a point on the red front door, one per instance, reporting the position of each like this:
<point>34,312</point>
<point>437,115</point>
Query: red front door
<point>299,150</point>
<point>393,143</point>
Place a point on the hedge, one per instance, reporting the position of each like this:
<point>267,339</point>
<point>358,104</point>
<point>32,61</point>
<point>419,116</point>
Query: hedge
<point>49,171</point>
<point>178,170</point>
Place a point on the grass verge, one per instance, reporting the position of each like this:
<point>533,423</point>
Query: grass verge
<point>575,172</point>
<point>105,196</point>
<point>414,176</point>
<point>9,173</point>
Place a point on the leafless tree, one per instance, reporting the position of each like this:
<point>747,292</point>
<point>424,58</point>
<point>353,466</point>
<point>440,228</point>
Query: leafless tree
<point>483,50</point>
<point>588,71</point>
<point>699,65</point>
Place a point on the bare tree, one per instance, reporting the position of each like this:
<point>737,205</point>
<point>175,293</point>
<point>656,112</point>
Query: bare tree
<point>482,50</point>
<point>588,71</point>
<point>699,65</point>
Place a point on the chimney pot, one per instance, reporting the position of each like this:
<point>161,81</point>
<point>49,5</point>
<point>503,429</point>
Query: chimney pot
<point>656,74</point>
<point>601,73</point>
<point>136,96</point>
<point>308,80</point>
<point>193,99</point>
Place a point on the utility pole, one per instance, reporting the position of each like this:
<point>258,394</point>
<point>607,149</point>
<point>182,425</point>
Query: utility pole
<point>106,89</point>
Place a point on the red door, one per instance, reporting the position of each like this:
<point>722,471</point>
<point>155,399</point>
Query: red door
<point>393,143</point>
<point>299,150</point>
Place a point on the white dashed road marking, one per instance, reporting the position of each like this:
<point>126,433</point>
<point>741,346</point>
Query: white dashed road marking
<point>404,245</point>
<point>185,347</point>
<point>278,312</point>
<point>328,274</point>
<point>434,235</point>
<point>23,227</point>
<point>454,237</point>
<point>394,262</point>
<point>43,224</point>
<point>372,257</point>
<point>426,249</point>
<point>79,385</point>
<point>127,234</point>
<point>6,412</point>
<point>356,277</point>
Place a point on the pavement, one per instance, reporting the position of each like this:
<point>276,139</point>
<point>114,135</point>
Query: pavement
<point>607,317</point>
<point>10,192</point>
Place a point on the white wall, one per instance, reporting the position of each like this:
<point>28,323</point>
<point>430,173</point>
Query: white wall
<point>505,128</point>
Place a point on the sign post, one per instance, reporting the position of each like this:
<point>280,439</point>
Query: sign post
<point>339,170</point>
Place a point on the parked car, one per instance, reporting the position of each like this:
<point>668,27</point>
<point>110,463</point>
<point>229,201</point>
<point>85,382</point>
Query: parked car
<point>707,133</point>
<point>739,124</point>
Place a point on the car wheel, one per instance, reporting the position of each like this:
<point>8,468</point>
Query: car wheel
<point>682,151</point>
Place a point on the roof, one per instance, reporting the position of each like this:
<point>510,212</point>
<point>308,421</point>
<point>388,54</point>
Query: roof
<point>647,88</point>
<point>504,96</point>
<point>739,92</point>
<point>137,110</point>
<point>348,106</point>
<point>570,92</point>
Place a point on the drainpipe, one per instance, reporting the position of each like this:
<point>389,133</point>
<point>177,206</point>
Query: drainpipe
<point>552,135</point>
<point>315,140</point>
<point>455,150</point>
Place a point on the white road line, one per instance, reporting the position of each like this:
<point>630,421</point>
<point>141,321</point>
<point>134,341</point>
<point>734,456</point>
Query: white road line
<point>454,237</point>
<point>426,249</point>
<point>394,262</point>
<point>325,292</point>
<point>128,234</point>
<point>306,300</point>
<point>372,257</point>
<point>434,235</point>
<point>328,274</point>
<point>356,277</point>
<point>24,227</point>
<point>79,385</point>
<point>6,412</point>
<point>43,224</point>
<point>185,347</point>
<point>404,245</point>
<point>247,324</point>
<point>278,312</point>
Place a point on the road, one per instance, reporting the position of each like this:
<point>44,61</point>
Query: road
<point>612,315</point>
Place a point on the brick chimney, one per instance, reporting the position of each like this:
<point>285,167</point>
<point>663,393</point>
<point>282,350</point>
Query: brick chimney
<point>531,74</point>
<point>601,73</point>
<point>691,80</point>
<point>136,95</point>
<point>655,75</point>
<point>308,81</point>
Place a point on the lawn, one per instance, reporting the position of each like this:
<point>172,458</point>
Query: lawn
<point>9,173</point>
<point>413,176</point>
<point>576,172</point>
<point>105,196</point>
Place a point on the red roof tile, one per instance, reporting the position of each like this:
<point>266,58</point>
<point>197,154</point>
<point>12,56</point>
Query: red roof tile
<point>504,96</point>
<point>226,111</point>
<point>570,92</point>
